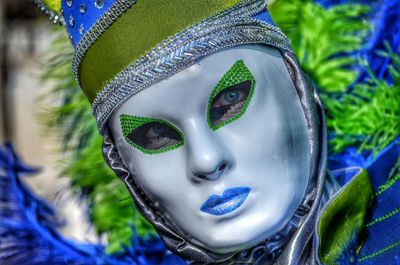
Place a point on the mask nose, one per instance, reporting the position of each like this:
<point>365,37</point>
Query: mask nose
<point>214,175</point>
<point>208,159</point>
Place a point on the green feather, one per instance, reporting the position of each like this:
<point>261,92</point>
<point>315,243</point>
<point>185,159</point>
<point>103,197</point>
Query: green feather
<point>112,210</point>
<point>324,40</point>
<point>54,5</point>
<point>318,34</point>
<point>369,117</point>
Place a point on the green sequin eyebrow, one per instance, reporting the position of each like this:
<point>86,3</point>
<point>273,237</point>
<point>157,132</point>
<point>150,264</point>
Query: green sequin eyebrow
<point>129,123</point>
<point>236,74</point>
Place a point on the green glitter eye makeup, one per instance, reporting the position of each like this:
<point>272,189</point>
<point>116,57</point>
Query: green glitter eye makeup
<point>230,98</point>
<point>150,136</point>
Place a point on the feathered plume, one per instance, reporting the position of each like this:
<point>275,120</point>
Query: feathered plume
<point>28,233</point>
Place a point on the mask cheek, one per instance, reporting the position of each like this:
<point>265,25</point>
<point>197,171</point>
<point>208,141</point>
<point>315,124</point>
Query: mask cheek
<point>163,183</point>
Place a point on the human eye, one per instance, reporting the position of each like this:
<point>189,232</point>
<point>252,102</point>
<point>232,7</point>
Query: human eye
<point>150,136</point>
<point>230,98</point>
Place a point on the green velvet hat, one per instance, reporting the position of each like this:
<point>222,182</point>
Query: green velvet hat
<point>124,46</point>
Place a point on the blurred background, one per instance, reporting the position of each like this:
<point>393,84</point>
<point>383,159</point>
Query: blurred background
<point>25,37</point>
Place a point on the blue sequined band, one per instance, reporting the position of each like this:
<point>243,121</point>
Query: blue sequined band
<point>86,20</point>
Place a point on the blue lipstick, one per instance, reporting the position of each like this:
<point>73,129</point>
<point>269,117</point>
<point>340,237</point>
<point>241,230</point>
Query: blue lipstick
<point>229,201</point>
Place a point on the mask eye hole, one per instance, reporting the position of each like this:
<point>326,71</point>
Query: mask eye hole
<point>151,136</point>
<point>230,98</point>
<point>229,103</point>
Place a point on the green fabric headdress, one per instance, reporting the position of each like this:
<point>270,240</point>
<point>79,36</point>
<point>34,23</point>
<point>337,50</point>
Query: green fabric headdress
<point>124,46</point>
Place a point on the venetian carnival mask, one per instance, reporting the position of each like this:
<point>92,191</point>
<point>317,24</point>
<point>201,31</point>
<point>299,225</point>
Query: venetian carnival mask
<point>206,117</point>
<point>221,147</point>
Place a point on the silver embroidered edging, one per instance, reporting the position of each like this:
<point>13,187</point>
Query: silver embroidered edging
<point>53,16</point>
<point>99,27</point>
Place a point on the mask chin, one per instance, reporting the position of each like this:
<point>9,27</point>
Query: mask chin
<point>177,242</point>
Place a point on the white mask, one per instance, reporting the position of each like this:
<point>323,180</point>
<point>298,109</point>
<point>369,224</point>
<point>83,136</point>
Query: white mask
<point>254,149</point>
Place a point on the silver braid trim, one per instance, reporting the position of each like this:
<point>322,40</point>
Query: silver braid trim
<point>231,28</point>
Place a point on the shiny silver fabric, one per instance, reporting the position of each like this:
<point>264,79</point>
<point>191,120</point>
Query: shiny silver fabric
<point>298,246</point>
<point>301,249</point>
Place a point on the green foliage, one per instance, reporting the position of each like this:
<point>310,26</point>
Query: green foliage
<point>369,117</point>
<point>111,208</point>
<point>318,35</point>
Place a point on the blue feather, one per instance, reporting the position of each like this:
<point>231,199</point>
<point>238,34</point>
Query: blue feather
<point>386,24</point>
<point>28,229</point>
<point>330,3</point>
<point>350,157</point>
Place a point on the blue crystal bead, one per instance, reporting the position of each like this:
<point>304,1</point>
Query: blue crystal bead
<point>71,21</point>
<point>81,29</point>
<point>82,8</point>
<point>99,3</point>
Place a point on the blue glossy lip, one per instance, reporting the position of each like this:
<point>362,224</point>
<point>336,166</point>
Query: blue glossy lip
<point>229,201</point>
